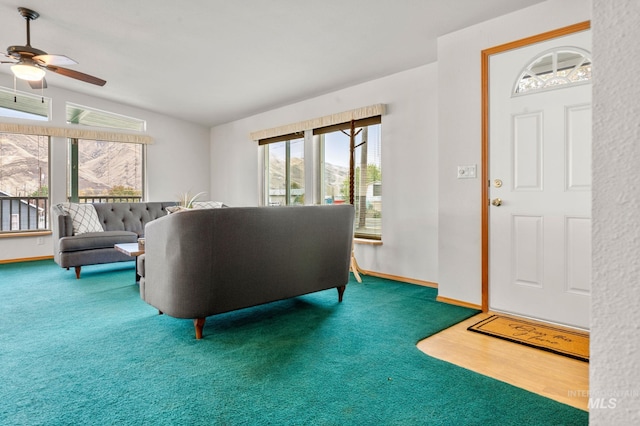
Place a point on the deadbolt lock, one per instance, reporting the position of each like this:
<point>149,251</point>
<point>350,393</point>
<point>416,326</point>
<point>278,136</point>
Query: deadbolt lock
<point>497,183</point>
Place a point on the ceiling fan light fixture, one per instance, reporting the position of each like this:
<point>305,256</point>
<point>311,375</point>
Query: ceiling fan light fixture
<point>28,72</point>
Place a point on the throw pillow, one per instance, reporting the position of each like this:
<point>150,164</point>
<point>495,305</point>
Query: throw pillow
<point>175,209</point>
<point>84,217</point>
<point>207,204</point>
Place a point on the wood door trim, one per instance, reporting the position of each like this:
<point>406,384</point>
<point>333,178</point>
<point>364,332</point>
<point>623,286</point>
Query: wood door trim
<point>484,63</point>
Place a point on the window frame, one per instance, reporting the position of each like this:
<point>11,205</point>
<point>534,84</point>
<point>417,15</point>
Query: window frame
<point>287,140</point>
<point>352,126</point>
<point>552,70</point>
<point>23,105</point>
<point>74,170</point>
<point>38,222</point>
<point>314,161</point>
<point>81,115</point>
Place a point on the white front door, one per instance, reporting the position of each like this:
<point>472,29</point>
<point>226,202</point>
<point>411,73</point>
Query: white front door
<point>540,188</point>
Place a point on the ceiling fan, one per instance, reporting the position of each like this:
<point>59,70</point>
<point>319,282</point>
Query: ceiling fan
<point>30,63</point>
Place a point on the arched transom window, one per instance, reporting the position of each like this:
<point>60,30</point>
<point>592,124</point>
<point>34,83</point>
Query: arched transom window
<point>560,67</point>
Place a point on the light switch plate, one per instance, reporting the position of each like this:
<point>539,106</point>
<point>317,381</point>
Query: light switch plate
<point>467,172</point>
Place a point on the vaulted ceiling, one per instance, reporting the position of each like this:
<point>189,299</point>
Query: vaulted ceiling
<point>215,61</point>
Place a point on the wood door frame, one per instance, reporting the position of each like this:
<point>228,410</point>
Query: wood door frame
<point>485,56</point>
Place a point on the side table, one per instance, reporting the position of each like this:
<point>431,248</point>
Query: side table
<point>131,249</point>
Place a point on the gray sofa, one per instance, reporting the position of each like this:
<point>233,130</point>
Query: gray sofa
<point>200,263</point>
<point>122,223</point>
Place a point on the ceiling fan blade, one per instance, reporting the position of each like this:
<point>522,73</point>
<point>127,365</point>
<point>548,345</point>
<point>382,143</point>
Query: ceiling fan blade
<point>77,75</point>
<point>40,84</point>
<point>54,60</point>
<point>11,60</point>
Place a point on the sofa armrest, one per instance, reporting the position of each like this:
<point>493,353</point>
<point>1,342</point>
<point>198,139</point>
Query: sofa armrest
<point>61,226</point>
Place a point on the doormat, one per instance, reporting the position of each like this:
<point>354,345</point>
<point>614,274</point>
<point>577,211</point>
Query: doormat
<point>573,344</point>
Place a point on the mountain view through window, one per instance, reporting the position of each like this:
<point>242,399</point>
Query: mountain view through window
<point>107,171</point>
<point>24,182</point>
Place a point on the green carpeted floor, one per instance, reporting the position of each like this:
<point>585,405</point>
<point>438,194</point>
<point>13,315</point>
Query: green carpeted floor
<point>90,351</point>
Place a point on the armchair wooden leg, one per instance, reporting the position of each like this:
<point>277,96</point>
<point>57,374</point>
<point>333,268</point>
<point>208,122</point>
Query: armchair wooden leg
<point>199,325</point>
<point>78,272</point>
<point>341,292</point>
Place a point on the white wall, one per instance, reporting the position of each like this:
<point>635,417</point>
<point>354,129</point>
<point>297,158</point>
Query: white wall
<point>178,160</point>
<point>616,211</point>
<point>459,137</point>
<point>409,165</point>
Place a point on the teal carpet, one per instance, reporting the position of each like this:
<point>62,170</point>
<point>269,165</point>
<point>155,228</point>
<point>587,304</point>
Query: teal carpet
<point>91,352</point>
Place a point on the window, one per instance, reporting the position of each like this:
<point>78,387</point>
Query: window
<point>17,104</point>
<point>334,159</point>
<point>104,171</point>
<point>24,182</point>
<point>364,188</point>
<point>284,172</point>
<point>560,67</point>
<point>86,116</point>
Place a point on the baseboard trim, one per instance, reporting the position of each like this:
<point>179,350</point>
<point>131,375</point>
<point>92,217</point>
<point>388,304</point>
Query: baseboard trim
<point>399,278</point>
<point>458,303</point>
<point>26,259</point>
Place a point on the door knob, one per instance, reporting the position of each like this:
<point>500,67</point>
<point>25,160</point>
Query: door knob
<point>496,202</point>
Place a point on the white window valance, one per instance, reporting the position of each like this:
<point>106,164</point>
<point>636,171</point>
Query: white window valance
<point>327,120</point>
<point>99,135</point>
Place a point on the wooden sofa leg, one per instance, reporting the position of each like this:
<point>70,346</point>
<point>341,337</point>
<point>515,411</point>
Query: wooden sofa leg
<point>341,292</point>
<point>199,325</point>
<point>78,272</point>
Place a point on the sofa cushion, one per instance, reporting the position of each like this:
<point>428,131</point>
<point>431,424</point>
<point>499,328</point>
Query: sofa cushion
<point>84,218</point>
<point>96,240</point>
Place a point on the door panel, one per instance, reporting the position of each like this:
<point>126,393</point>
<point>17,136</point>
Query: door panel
<point>578,148</point>
<point>578,255</point>
<point>527,149</point>
<point>527,258</point>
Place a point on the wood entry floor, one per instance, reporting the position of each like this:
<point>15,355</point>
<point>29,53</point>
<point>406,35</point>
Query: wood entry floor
<point>554,376</point>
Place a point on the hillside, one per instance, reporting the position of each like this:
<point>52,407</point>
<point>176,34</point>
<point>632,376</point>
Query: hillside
<point>22,159</point>
<point>334,175</point>
<point>104,165</point>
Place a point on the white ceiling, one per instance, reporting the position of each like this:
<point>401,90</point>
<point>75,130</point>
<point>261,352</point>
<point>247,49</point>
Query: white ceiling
<point>215,61</point>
